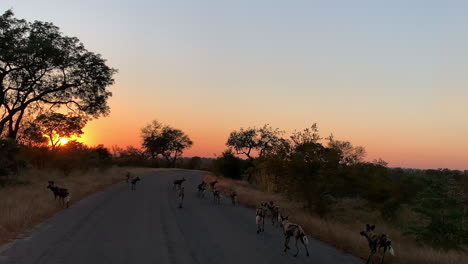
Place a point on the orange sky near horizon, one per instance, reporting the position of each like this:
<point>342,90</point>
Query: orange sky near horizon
<point>402,146</point>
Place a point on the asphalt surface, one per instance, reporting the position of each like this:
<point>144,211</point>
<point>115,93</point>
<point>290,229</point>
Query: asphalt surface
<point>146,226</point>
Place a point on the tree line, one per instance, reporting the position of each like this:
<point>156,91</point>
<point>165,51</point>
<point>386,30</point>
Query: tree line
<point>319,171</point>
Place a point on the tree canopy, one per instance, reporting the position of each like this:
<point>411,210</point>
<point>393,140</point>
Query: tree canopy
<point>244,141</point>
<point>42,69</point>
<point>169,142</point>
<point>54,127</point>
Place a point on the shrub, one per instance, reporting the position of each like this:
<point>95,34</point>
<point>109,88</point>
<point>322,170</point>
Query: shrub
<point>229,165</point>
<point>442,205</point>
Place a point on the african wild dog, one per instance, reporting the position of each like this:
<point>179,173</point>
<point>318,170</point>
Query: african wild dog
<point>275,219</point>
<point>181,196</point>
<point>293,230</point>
<point>201,189</point>
<point>260,214</point>
<point>127,175</point>
<point>53,189</point>
<point>233,196</point>
<point>216,196</point>
<point>274,211</point>
<point>134,181</point>
<point>62,193</point>
<point>178,183</point>
<point>376,242</point>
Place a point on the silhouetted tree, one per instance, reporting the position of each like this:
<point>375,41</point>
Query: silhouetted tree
<point>308,135</point>
<point>229,165</point>
<point>41,68</point>
<point>32,135</point>
<point>9,151</point>
<point>55,126</point>
<point>166,141</point>
<point>349,154</point>
<point>247,140</point>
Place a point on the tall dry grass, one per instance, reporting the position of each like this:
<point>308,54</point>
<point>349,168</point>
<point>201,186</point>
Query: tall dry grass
<point>343,231</point>
<point>25,205</point>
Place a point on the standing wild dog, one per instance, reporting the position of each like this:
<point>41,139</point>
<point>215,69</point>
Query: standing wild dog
<point>275,216</point>
<point>181,196</point>
<point>178,183</point>
<point>274,211</point>
<point>134,181</point>
<point>216,196</point>
<point>53,189</point>
<point>293,230</point>
<point>376,242</point>
<point>127,175</point>
<point>62,193</point>
<point>260,214</point>
<point>233,196</point>
<point>201,189</point>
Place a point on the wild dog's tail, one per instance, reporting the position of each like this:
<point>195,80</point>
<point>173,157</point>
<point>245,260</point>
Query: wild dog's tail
<point>391,251</point>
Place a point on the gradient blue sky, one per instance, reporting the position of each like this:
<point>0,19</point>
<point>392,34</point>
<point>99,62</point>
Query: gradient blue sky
<point>389,75</point>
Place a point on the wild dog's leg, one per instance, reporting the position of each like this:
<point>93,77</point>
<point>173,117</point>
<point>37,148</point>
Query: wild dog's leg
<point>383,256</point>
<point>370,257</point>
<point>286,243</point>
<point>263,223</point>
<point>297,248</point>
<point>305,245</point>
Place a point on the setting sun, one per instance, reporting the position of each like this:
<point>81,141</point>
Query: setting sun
<point>63,141</point>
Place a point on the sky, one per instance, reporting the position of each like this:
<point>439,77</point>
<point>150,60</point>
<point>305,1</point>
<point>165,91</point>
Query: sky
<point>391,76</point>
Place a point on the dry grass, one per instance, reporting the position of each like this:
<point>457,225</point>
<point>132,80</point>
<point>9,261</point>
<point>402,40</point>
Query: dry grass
<point>343,230</point>
<point>23,206</point>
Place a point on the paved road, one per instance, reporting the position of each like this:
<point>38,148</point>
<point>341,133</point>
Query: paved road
<point>145,226</point>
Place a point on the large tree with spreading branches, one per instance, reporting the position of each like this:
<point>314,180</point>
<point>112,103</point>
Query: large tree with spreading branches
<point>169,142</point>
<point>42,69</point>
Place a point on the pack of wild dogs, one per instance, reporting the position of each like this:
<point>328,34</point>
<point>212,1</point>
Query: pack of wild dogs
<point>377,242</point>
<point>266,209</point>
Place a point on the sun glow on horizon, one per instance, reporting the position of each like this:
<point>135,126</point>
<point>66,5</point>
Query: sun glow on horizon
<point>63,141</point>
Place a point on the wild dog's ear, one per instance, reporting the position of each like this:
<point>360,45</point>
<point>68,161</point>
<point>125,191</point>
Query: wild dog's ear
<point>367,227</point>
<point>372,227</point>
